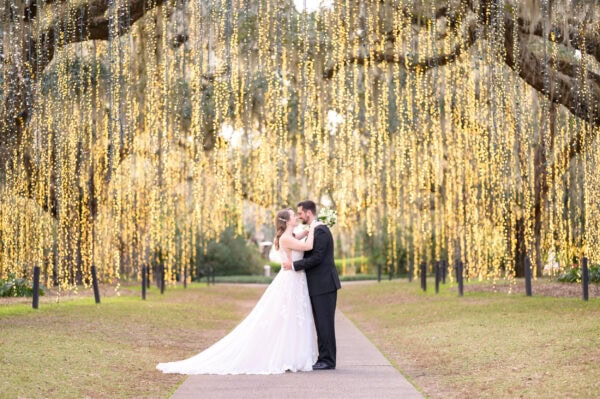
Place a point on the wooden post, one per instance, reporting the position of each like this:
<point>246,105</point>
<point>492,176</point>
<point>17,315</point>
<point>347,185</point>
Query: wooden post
<point>437,276</point>
<point>424,276</point>
<point>148,277</point>
<point>528,291</point>
<point>379,273</point>
<point>95,284</point>
<point>144,282</point>
<point>411,270</point>
<point>36,287</point>
<point>459,277</point>
<point>444,270</point>
<point>585,278</point>
<point>162,278</point>
<point>184,276</point>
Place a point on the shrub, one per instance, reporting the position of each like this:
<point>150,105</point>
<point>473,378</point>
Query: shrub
<point>231,255</point>
<point>275,267</point>
<point>339,264</point>
<point>595,274</point>
<point>573,274</point>
<point>376,247</point>
<point>355,264</point>
<point>17,287</point>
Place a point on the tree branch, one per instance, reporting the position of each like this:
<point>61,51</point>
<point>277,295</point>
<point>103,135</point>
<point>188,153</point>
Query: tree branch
<point>412,63</point>
<point>571,69</point>
<point>580,36</point>
<point>557,87</point>
<point>92,22</point>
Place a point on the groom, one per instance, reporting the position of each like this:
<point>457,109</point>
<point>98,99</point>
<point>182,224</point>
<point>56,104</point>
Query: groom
<point>323,283</point>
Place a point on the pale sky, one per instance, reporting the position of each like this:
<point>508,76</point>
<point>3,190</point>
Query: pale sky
<point>312,5</point>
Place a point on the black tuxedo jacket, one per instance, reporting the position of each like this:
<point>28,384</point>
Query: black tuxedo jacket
<point>321,274</point>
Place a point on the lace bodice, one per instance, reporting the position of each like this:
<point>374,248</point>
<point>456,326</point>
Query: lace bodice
<point>297,255</point>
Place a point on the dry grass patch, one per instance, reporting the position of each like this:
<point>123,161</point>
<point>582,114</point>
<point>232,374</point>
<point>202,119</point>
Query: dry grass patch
<point>484,345</point>
<point>77,349</point>
<point>540,287</point>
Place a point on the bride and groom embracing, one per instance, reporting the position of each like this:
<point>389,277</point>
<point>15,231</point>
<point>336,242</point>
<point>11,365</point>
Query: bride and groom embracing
<point>279,333</point>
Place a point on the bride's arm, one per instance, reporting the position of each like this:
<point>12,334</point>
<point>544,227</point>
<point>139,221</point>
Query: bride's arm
<point>299,245</point>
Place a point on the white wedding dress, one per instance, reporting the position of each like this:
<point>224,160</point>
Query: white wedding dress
<point>278,335</point>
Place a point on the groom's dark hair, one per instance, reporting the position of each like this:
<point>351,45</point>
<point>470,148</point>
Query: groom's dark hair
<point>308,205</point>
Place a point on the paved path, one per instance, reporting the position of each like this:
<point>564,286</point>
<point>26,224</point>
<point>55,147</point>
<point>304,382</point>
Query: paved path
<point>362,372</point>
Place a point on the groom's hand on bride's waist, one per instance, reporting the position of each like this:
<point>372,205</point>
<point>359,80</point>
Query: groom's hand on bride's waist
<point>286,264</point>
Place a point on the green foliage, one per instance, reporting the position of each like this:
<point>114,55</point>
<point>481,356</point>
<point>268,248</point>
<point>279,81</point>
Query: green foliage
<point>245,279</point>
<point>247,28</point>
<point>573,274</point>
<point>378,246</point>
<point>275,267</point>
<point>267,280</point>
<point>182,98</point>
<point>350,263</point>
<point>82,76</point>
<point>13,286</point>
<point>595,274</point>
<point>359,277</point>
<point>231,255</point>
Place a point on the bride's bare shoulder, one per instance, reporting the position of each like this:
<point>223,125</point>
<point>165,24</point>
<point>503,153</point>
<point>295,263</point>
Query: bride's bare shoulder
<point>285,237</point>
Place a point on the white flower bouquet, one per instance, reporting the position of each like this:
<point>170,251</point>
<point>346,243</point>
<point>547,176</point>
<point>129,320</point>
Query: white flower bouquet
<point>327,216</point>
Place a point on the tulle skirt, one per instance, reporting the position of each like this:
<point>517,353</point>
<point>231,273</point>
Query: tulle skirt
<point>277,336</point>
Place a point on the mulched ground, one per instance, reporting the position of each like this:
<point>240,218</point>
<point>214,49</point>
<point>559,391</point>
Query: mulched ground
<point>54,295</point>
<point>541,287</point>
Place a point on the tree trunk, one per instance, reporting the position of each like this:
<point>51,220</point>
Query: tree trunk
<point>540,182</point>
<point>520,248</point>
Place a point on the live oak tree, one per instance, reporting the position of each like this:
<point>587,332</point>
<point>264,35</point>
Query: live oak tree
<point>34,30</point>
<point>515,31</point>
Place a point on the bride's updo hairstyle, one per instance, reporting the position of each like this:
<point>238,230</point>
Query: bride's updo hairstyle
<point>283,216</point>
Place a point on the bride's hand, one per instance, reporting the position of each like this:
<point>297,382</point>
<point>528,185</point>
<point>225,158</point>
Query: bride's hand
<point>286,264</point>
<point>301,234</point>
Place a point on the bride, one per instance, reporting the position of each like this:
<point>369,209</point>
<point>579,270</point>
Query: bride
<point>279,333</point>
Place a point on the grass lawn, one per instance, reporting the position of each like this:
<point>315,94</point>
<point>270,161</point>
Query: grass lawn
<point>77,349</point>
<point>267,280</point>
<point>481,345</point>
<point>484,345</point>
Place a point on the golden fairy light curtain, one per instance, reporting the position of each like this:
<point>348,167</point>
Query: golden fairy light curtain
<point>143,147</point>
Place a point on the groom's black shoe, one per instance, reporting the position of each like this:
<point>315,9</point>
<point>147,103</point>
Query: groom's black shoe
<point>322,366</point>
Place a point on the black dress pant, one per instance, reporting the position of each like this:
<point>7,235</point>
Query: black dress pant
<point>323,307</point>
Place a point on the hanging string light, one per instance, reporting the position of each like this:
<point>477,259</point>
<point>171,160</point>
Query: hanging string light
<point>143,148</point>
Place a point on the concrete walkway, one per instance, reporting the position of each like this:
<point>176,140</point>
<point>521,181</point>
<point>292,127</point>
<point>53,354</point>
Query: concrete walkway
<point>362,372</point>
